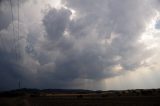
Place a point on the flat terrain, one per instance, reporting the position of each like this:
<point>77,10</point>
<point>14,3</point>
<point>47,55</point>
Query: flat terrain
<point>119,101</point>
<point>103,98</point>
<point>72,101</point>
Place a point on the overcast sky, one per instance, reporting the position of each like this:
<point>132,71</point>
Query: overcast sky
<point>84,44</point>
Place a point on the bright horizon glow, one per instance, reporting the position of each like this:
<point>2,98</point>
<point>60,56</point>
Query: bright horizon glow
<point>148,37</point>
<point>137,79</point>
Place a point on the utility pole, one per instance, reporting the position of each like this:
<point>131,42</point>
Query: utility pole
<point>19,84</point>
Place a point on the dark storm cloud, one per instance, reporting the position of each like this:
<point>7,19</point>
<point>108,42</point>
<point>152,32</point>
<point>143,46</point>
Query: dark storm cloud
<point>6,12</point>
<point>99,43</point>
<point>11,67</point>
<point>55,22</point>
<point>119,17</point>
<point>11,72</point>
<point>87,57</point>
<point>8,71</point>
<point>5,17</point>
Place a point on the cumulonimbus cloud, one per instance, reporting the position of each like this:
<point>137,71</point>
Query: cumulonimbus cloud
<point>99,42</point>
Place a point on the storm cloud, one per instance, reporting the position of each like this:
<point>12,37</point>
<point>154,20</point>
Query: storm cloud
<point>79,41</point>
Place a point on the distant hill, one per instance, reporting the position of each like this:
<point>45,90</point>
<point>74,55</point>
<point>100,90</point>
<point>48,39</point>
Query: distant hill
<point>66,91</point>
<point>24,91</point>
<point>44,92</point>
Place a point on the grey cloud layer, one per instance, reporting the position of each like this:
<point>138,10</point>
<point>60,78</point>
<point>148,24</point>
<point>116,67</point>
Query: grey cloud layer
<point>103,36</point>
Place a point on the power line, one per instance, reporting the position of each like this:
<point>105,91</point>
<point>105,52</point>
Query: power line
<point>12,25</point>
<point>18,28</point>
<point>2,38</point>
<point>16,39</point>
<point>18,49</point>
<point>2,43</point>
<point>15,36</point>
<point>19,84</point>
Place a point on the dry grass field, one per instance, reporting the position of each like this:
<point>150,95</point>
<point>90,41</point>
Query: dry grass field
<point>125,98</point>
<point>81,101</point>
